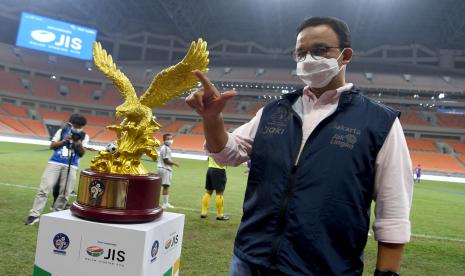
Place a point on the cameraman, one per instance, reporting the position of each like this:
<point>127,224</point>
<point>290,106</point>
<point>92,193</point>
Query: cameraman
<point>69,145</point>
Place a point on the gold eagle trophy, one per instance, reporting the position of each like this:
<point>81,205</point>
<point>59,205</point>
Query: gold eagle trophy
<point>117,187</point>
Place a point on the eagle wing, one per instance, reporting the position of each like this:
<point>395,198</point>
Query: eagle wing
<point>104,62</point>
<point>174,80</point>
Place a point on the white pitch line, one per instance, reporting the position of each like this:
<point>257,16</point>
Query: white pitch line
<point>18,186</point>
<point>436,238</point>
<point>424,236</point>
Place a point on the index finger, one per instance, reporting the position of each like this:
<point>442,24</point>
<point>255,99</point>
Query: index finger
<point>203,79</point>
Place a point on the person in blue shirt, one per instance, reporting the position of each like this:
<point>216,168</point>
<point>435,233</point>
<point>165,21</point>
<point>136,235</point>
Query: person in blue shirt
<point>69,145</point>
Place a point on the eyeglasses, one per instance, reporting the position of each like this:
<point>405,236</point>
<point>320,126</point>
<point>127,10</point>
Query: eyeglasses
<point>316,53</point>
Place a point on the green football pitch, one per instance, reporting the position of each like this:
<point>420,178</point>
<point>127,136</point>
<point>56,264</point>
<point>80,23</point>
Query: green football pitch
<point>437,246</point>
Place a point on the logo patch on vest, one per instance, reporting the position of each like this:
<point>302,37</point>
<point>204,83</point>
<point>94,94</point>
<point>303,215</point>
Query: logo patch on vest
<point>277,122</point>
<point>345,137</point>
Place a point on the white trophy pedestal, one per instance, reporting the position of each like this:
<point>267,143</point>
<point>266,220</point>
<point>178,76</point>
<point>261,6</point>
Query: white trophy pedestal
<point>67,245</point>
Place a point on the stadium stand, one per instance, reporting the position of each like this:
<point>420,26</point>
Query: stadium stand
<point>17,112</point>
<point>81,92</point>
<point>53,115</point>
<point>110,97</point>
<point>461,158</point>
<point>412,118</point>
<point>11,109</point>
<point>11,82</point>
<point>189,142</point>
<point>44,87</point>
<point>174,127</point>
<point>37,127</point>
<point>421,145</point>
<point>437,162</point>
<point>457,146</point>
<point>105,136</point>
<point>197,129</point>
<point>6,129</point>
<point>451,120</point>
<point>16,125</point>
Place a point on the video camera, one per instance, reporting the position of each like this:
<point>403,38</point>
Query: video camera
<point>76,136</point>
<point>80,121</point>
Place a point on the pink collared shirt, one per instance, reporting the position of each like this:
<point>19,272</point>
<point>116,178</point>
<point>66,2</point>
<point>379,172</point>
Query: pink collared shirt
<point>393,187</point>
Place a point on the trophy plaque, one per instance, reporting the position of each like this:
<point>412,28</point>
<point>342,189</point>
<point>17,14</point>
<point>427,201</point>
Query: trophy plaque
<point>117,187</point>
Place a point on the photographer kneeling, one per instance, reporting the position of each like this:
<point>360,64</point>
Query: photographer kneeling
<point>69,145</point>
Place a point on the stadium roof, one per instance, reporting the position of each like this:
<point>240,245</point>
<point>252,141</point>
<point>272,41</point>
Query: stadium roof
<point>270,23</point>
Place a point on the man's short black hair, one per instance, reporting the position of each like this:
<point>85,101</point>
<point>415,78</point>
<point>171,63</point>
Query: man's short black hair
<point>165,136</point>
<point>78,119</point>
<point>339,27</point>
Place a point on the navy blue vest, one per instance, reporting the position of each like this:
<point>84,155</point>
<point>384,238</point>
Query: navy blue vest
<point>312,218</point>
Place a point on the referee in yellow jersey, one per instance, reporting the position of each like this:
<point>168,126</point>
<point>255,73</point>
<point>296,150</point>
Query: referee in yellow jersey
<point>216,181</point>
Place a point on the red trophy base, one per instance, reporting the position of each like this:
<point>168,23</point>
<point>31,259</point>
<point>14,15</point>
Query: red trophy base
<point>117,197</point>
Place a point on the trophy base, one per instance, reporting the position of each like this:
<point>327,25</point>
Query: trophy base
<point>115,215</point>
<point>117,198</point>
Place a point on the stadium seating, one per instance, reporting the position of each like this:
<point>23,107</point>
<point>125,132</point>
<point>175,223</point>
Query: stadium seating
<point>81,92</point>
<point>421,145</point>
<point>451,120</point>
<point>197,129</point>
<point>99,121</point>
<point>105,136</point>
<point>54,115</point>
<point>458,147</point>
<point>174,127</point>
<point>93,131</point>
<point>110,97</point>
<point>254,107</point>
<point>4,128</point>
<point>412,118</point>
<point>189,142</point>
<point>11,109</point>
<point>37,127</point>
<point>461,158</point>
<point>11,82</point>
<point>16,125</point>
<point>44,87</point>
<point>437,162</point>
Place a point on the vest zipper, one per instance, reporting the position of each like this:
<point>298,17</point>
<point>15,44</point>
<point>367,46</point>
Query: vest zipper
<point>287,196</point>
<point>290,186</point>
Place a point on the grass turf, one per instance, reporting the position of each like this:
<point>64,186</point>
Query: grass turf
<point>438,218</point>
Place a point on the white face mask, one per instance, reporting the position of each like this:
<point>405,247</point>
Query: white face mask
<point>318,72</point>
<point>169,142</point>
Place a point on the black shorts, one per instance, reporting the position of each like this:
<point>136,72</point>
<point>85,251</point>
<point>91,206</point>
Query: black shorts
<point>216,179</point>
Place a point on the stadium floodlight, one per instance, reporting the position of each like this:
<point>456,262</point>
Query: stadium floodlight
<point>53,77</point>
<point>52,59</point>
<point>432,98</point>
<point>407,77</point>
<point>441,96</point>
<point>260,71</point>
<point>446,78</point>
<point>88,65</point>
<point>17,51</point>
<point>416,96</point>
<point>369,76</point>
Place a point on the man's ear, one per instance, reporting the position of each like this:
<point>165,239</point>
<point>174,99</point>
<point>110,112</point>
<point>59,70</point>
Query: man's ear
<point>347,55</point>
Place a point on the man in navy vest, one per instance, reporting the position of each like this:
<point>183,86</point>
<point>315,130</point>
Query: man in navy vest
<point>320,156</point>
<point>69,145</point>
